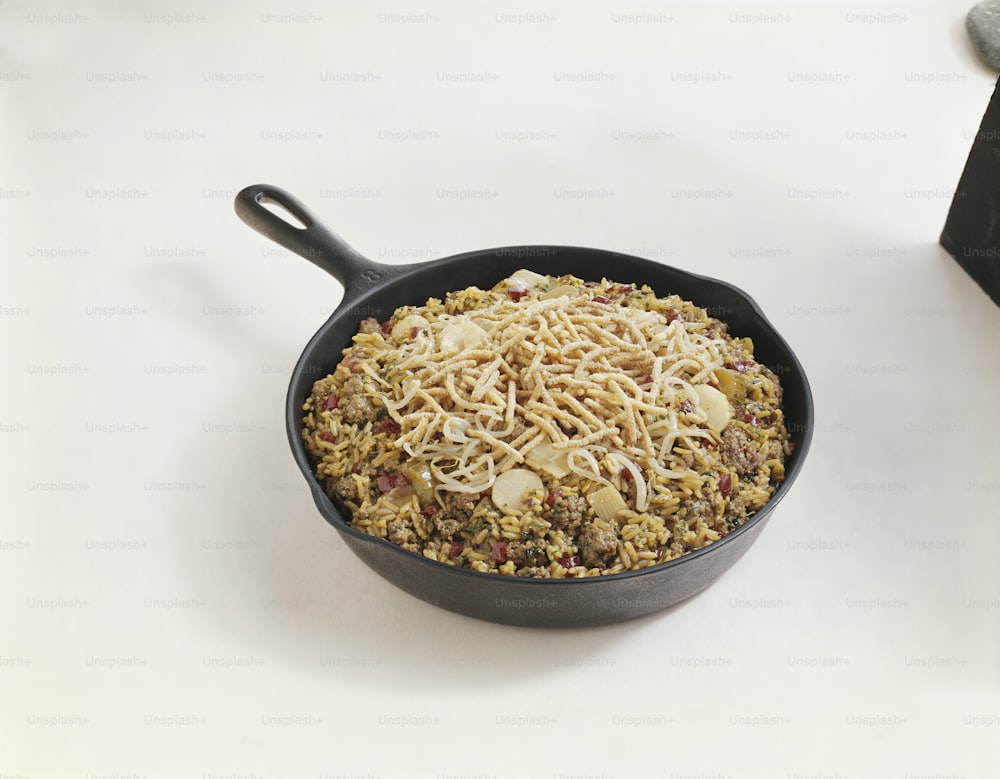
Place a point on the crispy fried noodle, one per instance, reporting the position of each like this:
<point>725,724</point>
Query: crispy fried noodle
<point>549,427</point>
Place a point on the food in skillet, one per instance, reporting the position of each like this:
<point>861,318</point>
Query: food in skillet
<point>548,427</point>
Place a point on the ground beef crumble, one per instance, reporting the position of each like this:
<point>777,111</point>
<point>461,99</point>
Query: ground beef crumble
<point>401,533</point>
<point>369,326</point>
<point>458,506</point>
<point>346,488</point>
<point>446,527</point>
<point>735,513</point>
<point>526,554</point>
<point>355,406</point>
<point>740,451</point>
<point>598,545</point>
<point>567,512</point>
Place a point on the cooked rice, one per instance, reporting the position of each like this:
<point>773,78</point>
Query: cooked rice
<point>634,428</point>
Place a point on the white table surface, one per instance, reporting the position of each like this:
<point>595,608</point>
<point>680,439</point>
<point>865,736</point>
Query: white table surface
<point>172,604</point>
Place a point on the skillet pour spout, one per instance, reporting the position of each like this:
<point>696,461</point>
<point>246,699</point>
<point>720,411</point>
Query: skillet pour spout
<point>373,289</point>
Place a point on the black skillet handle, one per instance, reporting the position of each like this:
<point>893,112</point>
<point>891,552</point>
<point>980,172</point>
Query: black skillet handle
<point>315,241</point>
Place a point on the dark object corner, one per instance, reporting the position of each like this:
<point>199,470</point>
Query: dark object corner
<point>972,231</point>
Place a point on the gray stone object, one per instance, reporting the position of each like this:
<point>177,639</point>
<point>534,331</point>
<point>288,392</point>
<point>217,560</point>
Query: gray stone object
<point>983,26</point>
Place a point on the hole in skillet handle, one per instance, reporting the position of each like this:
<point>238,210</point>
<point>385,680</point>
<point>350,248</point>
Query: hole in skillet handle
<point>276,208</point>
<point>280,216</point>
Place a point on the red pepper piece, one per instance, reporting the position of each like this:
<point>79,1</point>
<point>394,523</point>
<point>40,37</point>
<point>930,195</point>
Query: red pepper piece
<point>725,485</point>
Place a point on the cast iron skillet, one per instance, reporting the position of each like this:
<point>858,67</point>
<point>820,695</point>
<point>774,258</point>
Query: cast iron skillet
<point>376,290</point>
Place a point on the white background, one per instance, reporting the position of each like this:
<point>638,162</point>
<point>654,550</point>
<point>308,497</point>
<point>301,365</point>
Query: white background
<point>172,604</point>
